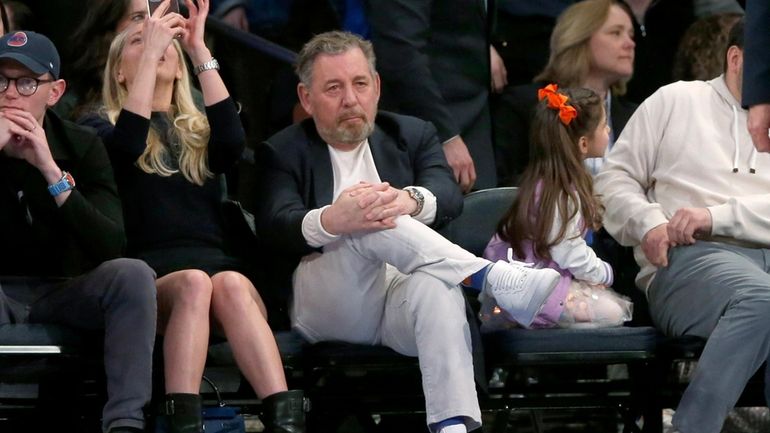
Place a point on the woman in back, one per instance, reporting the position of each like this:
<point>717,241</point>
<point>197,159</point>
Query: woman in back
<point>592,46</point>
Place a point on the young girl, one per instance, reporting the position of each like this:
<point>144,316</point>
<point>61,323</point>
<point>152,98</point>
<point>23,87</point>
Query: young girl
<point>555,209</point>
<point>168,158</point>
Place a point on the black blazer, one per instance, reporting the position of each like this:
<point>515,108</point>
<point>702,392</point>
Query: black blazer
<point>756,69</point>
<point>513,119</point>
<point>433,57</point>
<point>296,175</point>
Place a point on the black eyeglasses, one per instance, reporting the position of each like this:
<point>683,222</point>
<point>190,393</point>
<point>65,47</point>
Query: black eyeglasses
<point>26,86</point>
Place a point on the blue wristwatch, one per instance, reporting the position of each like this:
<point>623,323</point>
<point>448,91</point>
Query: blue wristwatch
<point>66,183</point>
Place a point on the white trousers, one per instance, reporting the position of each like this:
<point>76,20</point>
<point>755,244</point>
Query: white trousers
<point>398,288</point>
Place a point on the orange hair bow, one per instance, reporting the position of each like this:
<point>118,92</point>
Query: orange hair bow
<point>558,101</point>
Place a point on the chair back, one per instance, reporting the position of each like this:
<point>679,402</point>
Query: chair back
<point>476,225</point>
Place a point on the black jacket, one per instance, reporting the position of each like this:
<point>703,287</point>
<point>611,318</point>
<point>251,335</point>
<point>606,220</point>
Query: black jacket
<point>297,175</point>
<point>433,56</point>
<point>756,69</point>
<point>41,239</point>
<point>657,41</point>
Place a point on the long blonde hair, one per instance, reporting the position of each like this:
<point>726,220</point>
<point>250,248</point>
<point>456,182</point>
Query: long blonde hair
<point>191,126</point>
<point>570,58</point>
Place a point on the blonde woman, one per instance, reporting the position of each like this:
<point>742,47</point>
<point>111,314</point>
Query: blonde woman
<point>167,157</point>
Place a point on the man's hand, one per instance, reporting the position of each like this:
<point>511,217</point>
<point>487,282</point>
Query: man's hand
<point>362,207</point>
<point>460,161</point>
<point>687,223</point>
<point>403,204</point>
<point>759,124</point>
<point>236,17</point>
<point>5,131</point>
<point>499,73</point>
<point>655,245</point>
<point>28,142</point>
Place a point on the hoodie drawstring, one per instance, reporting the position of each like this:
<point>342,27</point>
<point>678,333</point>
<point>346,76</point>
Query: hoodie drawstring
<point>737,153</point>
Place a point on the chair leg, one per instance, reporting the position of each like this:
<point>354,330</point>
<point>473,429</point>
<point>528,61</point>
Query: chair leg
<point>501,420</point>
<point>537,420</point>
<point>652,412</point>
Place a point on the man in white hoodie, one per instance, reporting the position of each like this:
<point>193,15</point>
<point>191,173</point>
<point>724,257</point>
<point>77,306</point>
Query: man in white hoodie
<point>685,186</point>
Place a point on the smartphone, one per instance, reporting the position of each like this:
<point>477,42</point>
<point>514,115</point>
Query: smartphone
<point>153,4</point>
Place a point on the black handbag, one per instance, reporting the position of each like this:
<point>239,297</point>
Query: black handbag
<point>240,229</point>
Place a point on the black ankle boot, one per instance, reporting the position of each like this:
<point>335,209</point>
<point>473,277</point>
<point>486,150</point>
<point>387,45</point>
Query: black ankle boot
<point>183,413</point>
<point>284,412</point>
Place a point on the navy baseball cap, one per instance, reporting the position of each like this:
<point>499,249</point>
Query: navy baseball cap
<point>32,50</point>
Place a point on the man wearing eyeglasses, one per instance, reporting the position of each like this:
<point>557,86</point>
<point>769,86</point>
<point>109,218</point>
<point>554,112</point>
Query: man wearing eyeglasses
<point>61,230</point>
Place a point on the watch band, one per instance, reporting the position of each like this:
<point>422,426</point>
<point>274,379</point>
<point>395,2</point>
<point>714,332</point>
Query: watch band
<point>66,183</point>
<point>211,64</point>
<point>417,195</point>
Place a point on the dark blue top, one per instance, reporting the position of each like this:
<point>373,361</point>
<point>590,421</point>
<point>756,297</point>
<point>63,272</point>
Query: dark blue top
<point>756,61</point>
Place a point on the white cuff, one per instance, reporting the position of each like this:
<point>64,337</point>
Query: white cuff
<point>313,230</point>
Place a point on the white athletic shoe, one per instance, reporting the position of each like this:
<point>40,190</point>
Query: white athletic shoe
<point>519,289</point>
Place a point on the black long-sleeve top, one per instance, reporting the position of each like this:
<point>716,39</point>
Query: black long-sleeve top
<point>170,212</point>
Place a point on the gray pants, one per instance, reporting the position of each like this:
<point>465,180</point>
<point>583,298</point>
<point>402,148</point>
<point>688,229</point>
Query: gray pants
<point>398,288</point>
<point>720,292</point>
<point>118,297</point>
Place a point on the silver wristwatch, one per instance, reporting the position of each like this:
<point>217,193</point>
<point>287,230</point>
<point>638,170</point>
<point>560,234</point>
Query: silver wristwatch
<point>211,64</point>
<point>416,194</point>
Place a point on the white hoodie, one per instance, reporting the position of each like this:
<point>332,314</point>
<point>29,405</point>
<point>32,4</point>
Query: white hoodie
<point>687,145</point>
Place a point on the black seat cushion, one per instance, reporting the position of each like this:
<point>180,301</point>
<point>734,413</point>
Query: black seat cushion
<point>339,354</point>
<point>42,335</point>
<point>290,346</point>
<point>556,345</point>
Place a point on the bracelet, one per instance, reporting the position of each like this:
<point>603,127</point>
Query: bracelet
<point>211,64</point>
<point>417,196</point>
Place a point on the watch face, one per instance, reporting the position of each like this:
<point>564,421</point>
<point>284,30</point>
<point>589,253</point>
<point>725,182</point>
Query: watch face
<point>70,180</point>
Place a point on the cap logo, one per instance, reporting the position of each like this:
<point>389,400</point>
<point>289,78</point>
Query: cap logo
<point>18,39</point>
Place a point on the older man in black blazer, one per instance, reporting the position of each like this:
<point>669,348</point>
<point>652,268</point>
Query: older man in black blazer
<point>370,269</point>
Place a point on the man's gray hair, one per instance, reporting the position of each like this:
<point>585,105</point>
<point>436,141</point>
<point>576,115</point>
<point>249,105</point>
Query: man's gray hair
<point>331,43</point>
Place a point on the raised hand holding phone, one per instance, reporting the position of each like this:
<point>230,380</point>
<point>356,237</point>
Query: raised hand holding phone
<point>152,5</point>
<point>152,41</point>
<point>161,28</point>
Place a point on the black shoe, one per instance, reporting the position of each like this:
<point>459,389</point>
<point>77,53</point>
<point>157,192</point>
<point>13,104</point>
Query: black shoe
<point>284,412</point>
<point>183,413</point>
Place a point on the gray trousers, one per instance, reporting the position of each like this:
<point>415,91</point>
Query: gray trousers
<point>398,288</point>
<point>720,292</point>
<point>117,297</point>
